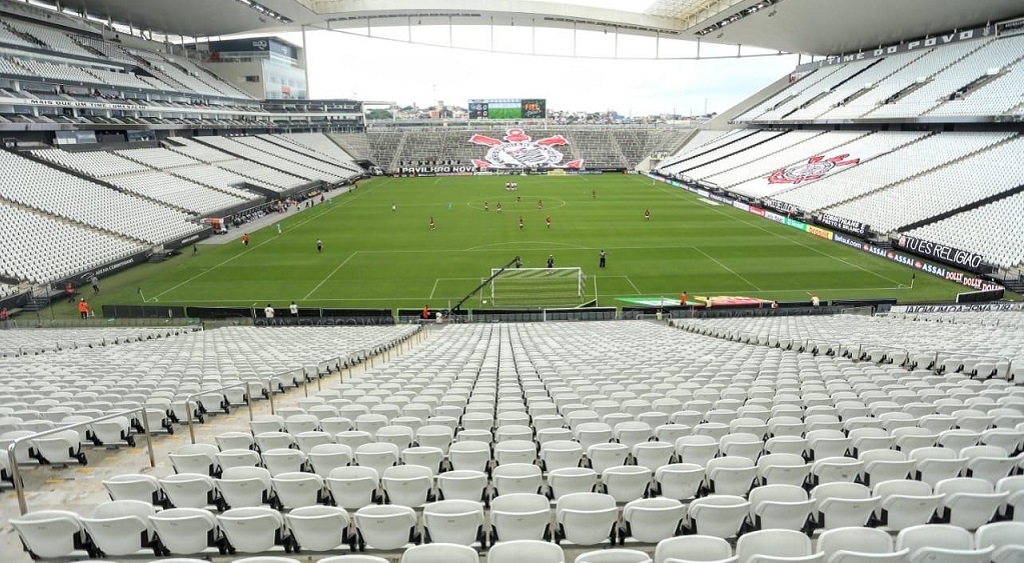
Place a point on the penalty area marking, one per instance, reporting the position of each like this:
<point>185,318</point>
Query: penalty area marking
<point>628,280</point>
<point>334,271</point>
<point>247,250</point>
<point>438,280</point>
<point>728,269</point>
<point>499,245</point>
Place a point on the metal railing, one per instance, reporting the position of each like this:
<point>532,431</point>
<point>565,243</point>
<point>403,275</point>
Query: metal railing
<point>366,354</point>
<point>190,420</point>
<point>12,456</point>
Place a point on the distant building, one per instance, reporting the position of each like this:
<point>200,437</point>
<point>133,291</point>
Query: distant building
<point>267,68</point>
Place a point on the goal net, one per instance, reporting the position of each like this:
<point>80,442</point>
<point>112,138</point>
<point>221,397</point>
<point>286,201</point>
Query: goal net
<point>537,287</point>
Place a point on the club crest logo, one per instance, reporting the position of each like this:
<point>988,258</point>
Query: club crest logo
<point>814,168</point>
<point>519,150</point>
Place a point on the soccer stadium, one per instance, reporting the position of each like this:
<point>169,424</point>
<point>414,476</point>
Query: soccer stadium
<point>242,324</point>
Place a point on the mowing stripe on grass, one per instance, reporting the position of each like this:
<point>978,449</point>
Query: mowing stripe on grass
<point>794,240</point>
<point>696,291</point>
<point>268,241</point>
<point>728,269</point>
<point>334,271</point>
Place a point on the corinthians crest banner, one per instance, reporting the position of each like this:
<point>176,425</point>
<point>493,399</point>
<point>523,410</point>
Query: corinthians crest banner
<point>821,165</point>
<point>518,150</point>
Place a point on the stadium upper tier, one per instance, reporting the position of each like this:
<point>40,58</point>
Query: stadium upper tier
<point>980,78</point>
<point>597,147</point>
<point>143,197</point>
<point>28,50</point>
<point>890,181</point>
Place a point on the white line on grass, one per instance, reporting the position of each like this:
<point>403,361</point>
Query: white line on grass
<point>269,240</point>
<point>499,245</point>
<point>436,280</point>
<point>635,288</point>
<point>696,291</point>
<point>790,239</point>
<point>334,271</point>
<point>727,268</point>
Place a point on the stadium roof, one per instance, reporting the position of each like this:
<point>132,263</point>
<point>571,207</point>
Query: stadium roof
<point>818,27</point>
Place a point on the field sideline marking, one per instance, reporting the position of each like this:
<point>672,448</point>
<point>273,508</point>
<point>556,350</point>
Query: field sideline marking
<point>794,241</point>
<point>334,271</point>
<point>697,291</point>
<point>728,269</point>
<point>269,240</point>
<point>433,289</point>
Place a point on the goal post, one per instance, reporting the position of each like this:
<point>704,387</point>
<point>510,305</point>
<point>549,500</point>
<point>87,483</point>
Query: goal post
<point>537,287</point>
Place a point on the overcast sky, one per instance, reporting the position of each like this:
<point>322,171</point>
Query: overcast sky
<point>347,65</point>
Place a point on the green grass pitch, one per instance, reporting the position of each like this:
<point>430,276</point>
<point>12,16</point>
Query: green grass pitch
<point>374,257</point>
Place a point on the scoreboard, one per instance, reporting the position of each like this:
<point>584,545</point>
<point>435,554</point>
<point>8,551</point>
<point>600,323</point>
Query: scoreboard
<point>511,108</point>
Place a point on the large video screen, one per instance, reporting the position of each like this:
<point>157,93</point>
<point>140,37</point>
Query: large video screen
<point>511,108</point>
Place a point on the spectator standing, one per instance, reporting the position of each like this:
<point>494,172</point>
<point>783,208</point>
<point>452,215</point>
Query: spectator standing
<point>95,283</point>
<point>600,259</point>
<point>294,309</point>
<point>83,308</point>
<point>551,260</point>
<point>268,311</point>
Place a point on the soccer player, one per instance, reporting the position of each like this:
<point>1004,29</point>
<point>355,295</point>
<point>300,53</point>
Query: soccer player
<point>498,207</point>
<point>551,260</point>
<point>520,222</point>
<point>600,259</point>
<point>245,239</point>
<point>548,221</point>
<point>647,214</point>
<point>393,207</point>
<point>593,194</point>
<point>540,204</point>
<point>319,245</point>
<point>431,222</point>
<point>486,207</point>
